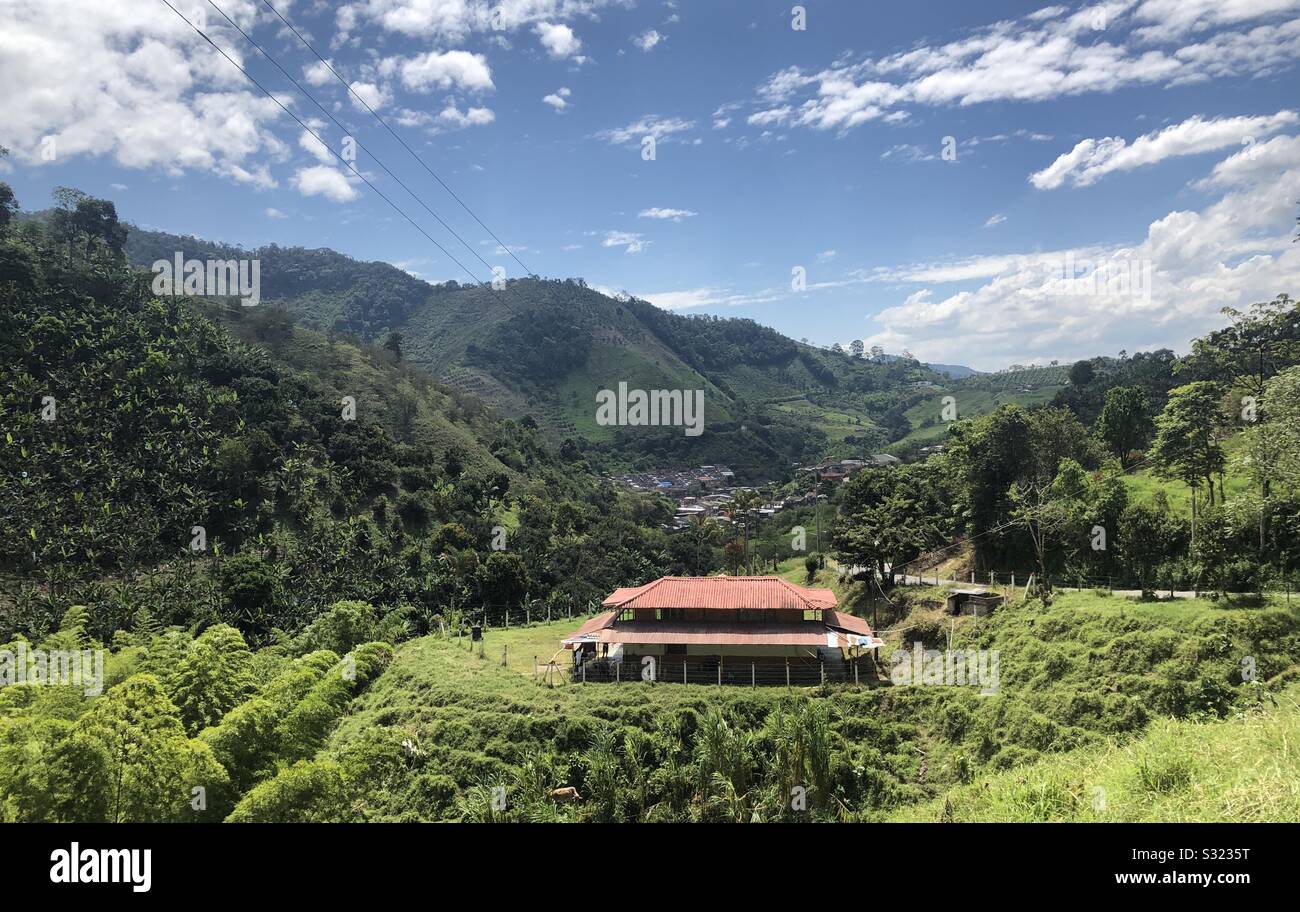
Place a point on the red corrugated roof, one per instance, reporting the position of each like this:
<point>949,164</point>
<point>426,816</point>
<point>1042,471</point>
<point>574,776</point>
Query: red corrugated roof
<point>807,633</point>
<point>591,625</point>
<point>722,593</point>
<point>842,621</point>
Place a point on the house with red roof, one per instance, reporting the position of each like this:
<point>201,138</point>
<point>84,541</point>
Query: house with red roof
<point>722,629</point>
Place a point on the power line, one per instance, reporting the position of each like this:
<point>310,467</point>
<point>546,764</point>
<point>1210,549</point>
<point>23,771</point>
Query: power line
<point>316,136</point>
<point>350,132</point>
<point>412,152</point>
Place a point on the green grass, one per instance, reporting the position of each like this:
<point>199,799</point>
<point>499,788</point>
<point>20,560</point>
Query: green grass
<point>1245,769</point>
<point>926,417</point>
<point>835,423</point>
<point>1145,485</point>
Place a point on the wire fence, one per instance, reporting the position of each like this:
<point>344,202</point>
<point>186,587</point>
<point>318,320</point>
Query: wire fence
<point>505,616</point>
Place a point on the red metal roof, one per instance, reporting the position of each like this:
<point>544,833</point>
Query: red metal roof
<point>591,625</point>
<point>722,593</point>
<point>806,633</point>
<point>842,621</point>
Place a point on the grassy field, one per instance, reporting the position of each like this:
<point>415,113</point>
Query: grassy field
<point>926,417</point>
<point>1244,769</point>
<point>835,423</point>
<point>1145,485</point>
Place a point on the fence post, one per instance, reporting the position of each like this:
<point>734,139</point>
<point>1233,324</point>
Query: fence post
<point>972,576</point>
<point>823,672</point>
<point>753,677</point>
<point>528,615</point>
<point>1013,581</point>
<point>503,655</point>
<point>584,672</point>
<point>719,671</point>
<point>855,672</point>
<point>534,669</point>
<point>683,669</point>
<point>787,672</point>
<point>618,672</point>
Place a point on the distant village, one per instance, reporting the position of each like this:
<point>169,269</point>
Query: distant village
<point>708,491</point>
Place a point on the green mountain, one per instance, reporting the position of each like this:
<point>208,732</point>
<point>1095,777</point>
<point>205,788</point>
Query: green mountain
<point>545,348</point>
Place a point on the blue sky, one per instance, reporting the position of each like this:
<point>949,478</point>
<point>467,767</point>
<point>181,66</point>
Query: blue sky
<point>1154,136</point>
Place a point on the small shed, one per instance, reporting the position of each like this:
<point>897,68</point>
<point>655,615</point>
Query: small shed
<point>978,602</point>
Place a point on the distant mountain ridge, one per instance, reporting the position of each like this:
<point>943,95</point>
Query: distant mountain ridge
<point>953,371</point>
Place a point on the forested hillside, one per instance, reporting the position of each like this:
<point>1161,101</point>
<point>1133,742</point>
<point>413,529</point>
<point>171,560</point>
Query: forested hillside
<point>543,348</point>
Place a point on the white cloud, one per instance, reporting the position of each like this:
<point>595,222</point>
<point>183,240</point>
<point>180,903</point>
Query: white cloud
<point>1176,17</point>
<point>272,212</point>
<point>371,94</point>
<point>134,84</point>
<point>647,40</point>
<point>445,70</point>
<point>661,128</point>
<point>996,218</point>
<point>451,116</point>
<point>908,152</point>
<point>558,39</point>
<point>318,74</point>
<point>1092,159</point>
<point>322,180</point>
<point>449,21</point>
<point>630,241</point>
<point>1041,57</point>
<point>1236,250</point>
<point>770,116</point>
<point>315,148</point>
<point>686,299</point>
<point>826,256</point>
<point>675,215</point>
<point>558,99</point>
